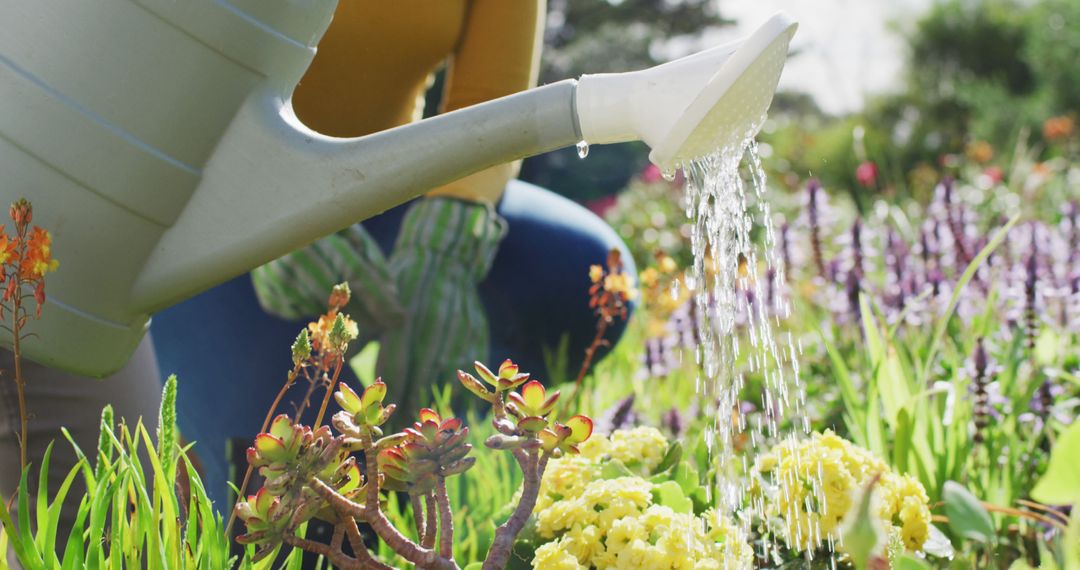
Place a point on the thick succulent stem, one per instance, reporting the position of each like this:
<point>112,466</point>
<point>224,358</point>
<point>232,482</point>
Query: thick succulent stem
<point>418,516</point>
<point>359,548</point>
<point>408,549</point>
<point>336,556</point>
<point>446,519</point>
<point>431,528</point>
<point>533,466</point>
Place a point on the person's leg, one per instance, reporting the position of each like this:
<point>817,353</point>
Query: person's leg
<point>57,399</point>
<point>538,287</point>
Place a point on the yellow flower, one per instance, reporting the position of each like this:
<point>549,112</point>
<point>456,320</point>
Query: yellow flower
<point>666,263</point>
<point>649,277</point>
<point>551,556</point>
<point>596,273</point>
<point>620,284</point>
<point>584,543</point>
<point>644,446</point>
<point>814,482</point>
<point>598,523</point>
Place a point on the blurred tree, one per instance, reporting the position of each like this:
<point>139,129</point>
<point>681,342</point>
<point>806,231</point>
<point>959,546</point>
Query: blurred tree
<point>602,36</point>
<point>979,73</point>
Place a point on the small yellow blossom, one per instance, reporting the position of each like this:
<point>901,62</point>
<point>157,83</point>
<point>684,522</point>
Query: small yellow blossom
<point>814,484</point>
<point>599,523</point>
<point>551,556</point>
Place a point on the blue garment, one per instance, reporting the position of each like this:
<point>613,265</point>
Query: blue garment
<point>231,357</point>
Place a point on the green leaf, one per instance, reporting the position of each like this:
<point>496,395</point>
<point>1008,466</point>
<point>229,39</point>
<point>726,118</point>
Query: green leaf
<point>909,562</point>
<point>969,273</point>
<point>672,457</point>
<point>671,495</point>
<point>889,376</point>
<point>363,364</point>
<point>967,517</point>
<point>1061,483</point>
<point>615,469</point>
<point>861,533</point>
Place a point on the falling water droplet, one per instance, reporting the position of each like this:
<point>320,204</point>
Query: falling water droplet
<point>582,149</point>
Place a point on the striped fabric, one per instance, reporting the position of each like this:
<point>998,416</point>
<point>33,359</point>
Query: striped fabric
<point>445,248</point>
<point>423,304</point>
<point>297,285</point>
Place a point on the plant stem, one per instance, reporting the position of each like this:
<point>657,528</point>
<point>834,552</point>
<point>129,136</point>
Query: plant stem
<point>266,423</point>
<point>359,548</point>
<point>409,550</point>
<point>431,527</point>
<point>20,383</point>
<point>418,516</point>
<point>446,519</point>
<point>338,365</point>
<point>597,342</point>
<point>533,467</point>
<point>336,556</point>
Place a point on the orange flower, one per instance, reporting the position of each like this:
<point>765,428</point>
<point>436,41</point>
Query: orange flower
<point>321,330</point>
<point>1058,128</point>
<point>7,248</point>
<point>38,260</point>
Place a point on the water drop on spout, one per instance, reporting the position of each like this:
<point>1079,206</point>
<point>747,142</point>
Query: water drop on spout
<point>582,149</point>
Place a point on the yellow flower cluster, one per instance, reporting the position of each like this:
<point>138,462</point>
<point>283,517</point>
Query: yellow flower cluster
<point>660,294</point>
<point>812,484</point>
<point>593,522</point>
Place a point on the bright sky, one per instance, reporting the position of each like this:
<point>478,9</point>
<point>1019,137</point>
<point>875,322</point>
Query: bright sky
<point>846,47</point>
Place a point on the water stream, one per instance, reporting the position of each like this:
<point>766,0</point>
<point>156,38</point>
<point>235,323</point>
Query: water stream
<point>738,279</point>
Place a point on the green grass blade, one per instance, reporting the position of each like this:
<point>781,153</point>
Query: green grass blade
<point>99,510</point>
<point>24,549</point>
<point>954,299</point>
<point>42,508</point>
<point>53,520</point>
<point>75,549</point>
<point>35,559</point>
<point>88,473</point>
<point>164,503</point>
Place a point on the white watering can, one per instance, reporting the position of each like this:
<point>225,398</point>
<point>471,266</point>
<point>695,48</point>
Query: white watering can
<point>156,141</point>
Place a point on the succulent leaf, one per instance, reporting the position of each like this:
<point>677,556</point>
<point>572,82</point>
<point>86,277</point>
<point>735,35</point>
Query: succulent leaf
<point>347,399</point>
<point>533,394</point>
<point>581,428</point>
<point>532,424</point>
<point>373,394</point>
<point>475,386</point>
<point>486,374</point>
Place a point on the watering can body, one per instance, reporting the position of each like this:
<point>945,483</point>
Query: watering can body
<point>155,139</point>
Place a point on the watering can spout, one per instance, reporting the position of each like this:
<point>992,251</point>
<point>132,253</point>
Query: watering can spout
<point>273,185</point>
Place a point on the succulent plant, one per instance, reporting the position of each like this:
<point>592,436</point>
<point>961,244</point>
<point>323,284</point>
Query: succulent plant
<point>432,447</point>
<point>560,438</point>
<point>362,414</point>
<point>531,407</point>
<point>288,457</point>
